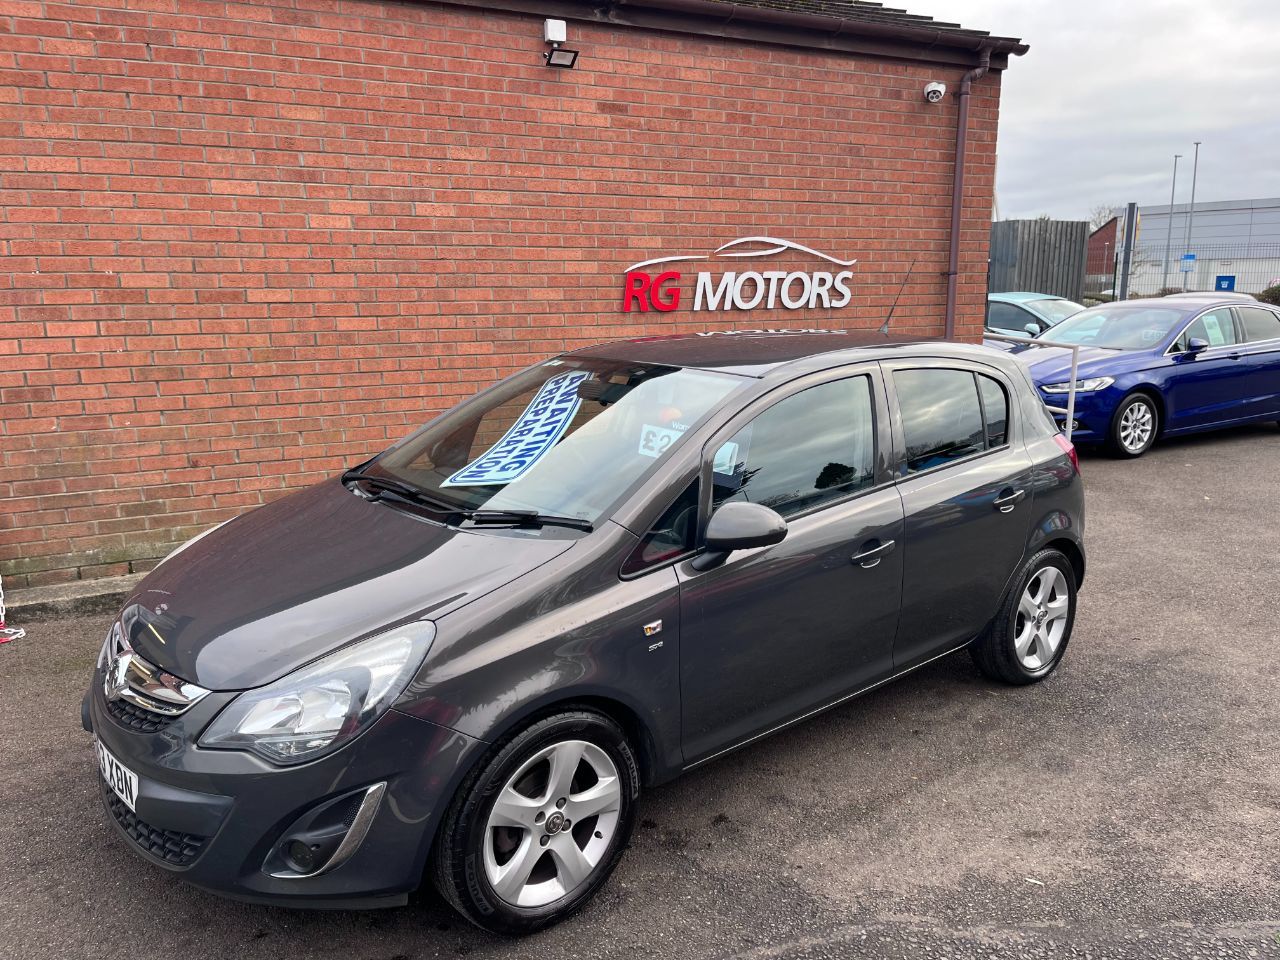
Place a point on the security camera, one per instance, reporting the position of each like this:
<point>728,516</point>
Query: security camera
<point>934,92</point>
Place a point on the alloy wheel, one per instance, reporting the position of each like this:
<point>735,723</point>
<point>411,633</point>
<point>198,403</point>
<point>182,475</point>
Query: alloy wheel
<point>552,823</point>
<point>1136,426</point>
<point>1041,621</point>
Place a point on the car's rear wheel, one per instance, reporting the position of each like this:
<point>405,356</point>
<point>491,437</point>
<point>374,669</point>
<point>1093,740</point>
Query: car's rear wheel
<point>1134,426</point>
<point>538,828</point>
<point>1026,640</point>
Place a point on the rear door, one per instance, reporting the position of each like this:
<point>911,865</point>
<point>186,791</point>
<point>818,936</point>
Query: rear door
<point>776,632</point>
<point>966,482</point>
<point>1260,328</point>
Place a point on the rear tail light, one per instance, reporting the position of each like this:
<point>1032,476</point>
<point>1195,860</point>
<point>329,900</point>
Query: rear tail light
<point>1069,449</point>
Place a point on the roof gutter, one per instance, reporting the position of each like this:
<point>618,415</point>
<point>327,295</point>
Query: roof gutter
<point>957,188</point>
<point>820,23</point>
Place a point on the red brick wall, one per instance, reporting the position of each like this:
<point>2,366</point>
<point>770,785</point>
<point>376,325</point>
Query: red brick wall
<point>245,244</point>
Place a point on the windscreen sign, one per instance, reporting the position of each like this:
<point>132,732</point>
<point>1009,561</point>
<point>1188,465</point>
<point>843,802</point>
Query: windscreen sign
<point>646,288</point>
<point>537,430</point>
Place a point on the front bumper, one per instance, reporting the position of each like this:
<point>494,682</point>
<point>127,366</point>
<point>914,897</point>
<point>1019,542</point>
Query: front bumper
<point>1093,412</point>
<point>216,817</point>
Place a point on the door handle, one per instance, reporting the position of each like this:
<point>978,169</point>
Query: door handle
<point>870,555</point>
<point>1007,501</point>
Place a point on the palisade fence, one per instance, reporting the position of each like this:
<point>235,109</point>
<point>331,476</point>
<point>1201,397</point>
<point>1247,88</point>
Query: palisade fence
<point>1238,267</point>
<point>1038,256</point>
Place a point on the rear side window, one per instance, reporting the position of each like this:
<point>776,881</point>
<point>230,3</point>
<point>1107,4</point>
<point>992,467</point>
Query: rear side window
<point>942,418</point>
<point>1259,324</point>
<point>673,534</point>
<point>810,448</point>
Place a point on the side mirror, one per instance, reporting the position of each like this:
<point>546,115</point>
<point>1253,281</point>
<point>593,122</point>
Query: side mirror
<point>1196,345</point>
<point>1032,329</point>
<point>739,526</point>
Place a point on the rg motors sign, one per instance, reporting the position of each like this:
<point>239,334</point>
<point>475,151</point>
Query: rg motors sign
<point>654,285</point>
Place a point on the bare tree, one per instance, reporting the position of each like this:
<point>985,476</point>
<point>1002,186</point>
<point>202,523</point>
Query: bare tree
<point>1101,215</point>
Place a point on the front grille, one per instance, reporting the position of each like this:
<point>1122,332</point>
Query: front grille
<point>171,846</point>
<point>133,717</point>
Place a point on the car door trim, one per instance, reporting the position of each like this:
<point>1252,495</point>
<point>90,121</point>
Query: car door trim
<point>844,698</point>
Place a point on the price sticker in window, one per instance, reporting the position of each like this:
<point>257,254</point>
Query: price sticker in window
<point>725,462</point>
<point>655,441</point>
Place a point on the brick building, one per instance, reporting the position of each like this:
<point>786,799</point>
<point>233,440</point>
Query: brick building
<point>245,244</point>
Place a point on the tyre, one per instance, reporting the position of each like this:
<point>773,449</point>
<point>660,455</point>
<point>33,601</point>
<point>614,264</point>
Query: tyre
<point>1026,640</point>
<point>1134,426</point>
<point>537,828</point>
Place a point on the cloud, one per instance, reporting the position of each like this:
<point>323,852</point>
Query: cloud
<point>1112,89</point>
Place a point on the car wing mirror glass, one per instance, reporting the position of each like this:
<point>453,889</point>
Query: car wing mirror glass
<point>1196,345</point>
<point>739,526</point>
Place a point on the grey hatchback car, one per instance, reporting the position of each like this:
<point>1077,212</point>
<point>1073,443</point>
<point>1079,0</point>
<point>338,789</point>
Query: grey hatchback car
<point>462,660</point>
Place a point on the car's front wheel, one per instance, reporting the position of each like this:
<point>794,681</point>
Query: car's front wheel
<point>1027,638</point>
<point>1134,426</point>
<point>536,830</point>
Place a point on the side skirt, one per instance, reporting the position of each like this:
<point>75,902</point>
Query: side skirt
<point>823,709</point>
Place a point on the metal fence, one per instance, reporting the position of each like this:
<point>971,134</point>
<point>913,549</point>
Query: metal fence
<point>1041,256</point>
<point>1238,267</point>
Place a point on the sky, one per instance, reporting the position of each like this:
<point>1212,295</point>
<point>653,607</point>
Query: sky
<point>1112,89</point>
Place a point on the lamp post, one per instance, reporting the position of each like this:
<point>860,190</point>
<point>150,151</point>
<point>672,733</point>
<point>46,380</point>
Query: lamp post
<point>1191,210</point>
<point>1168,239</point>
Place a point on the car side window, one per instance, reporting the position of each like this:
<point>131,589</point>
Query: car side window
<point>1005,316</point>
<point>941,416</point>
<point>1214,328</point>
<point>1259,324</point>
<point>672,534</point>
<point>995,410</point>
<point>812,447</point>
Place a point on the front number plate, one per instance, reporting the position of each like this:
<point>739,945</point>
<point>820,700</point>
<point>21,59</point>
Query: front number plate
<point>122,781</point>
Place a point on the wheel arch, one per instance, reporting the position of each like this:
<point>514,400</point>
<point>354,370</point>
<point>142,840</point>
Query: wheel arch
<point>625,715</point>
<point>1071,550</point>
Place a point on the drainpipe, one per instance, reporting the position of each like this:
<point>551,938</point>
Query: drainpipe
<point>957,189</point>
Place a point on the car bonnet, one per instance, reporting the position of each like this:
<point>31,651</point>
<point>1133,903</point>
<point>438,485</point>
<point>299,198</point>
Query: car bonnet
<point>299,578</point>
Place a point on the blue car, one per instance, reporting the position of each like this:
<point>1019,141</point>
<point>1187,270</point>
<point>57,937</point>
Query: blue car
<point>1162,367</point>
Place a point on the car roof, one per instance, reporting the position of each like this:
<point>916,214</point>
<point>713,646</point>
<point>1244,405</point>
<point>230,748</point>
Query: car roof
<point>1188,302</point>
<point>757,353</point>
<point>1211,295</point>
<point>1022,297</point>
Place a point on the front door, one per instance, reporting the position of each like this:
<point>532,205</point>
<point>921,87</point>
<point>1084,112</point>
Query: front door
<point>1207,388</point>
<point>776,632</point>
<point>966,481</point>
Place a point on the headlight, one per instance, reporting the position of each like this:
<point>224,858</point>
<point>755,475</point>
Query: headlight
<point>108,643</point>
<point>325,704</point>
<point>1082,386</point>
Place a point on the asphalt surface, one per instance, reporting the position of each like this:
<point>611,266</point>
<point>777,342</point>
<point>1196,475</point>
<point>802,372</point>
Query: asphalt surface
<point>1127,807</point>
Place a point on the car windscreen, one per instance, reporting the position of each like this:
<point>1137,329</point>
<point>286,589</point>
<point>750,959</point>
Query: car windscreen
<point>1055,311</point>
<point>1122,326</point>
<point>565,437</point>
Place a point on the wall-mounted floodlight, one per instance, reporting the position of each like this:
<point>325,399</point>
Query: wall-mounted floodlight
<point>555,32</point>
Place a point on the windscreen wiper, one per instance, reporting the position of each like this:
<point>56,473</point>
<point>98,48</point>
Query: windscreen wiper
<point>402,490</point>
<point>528,518</point>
